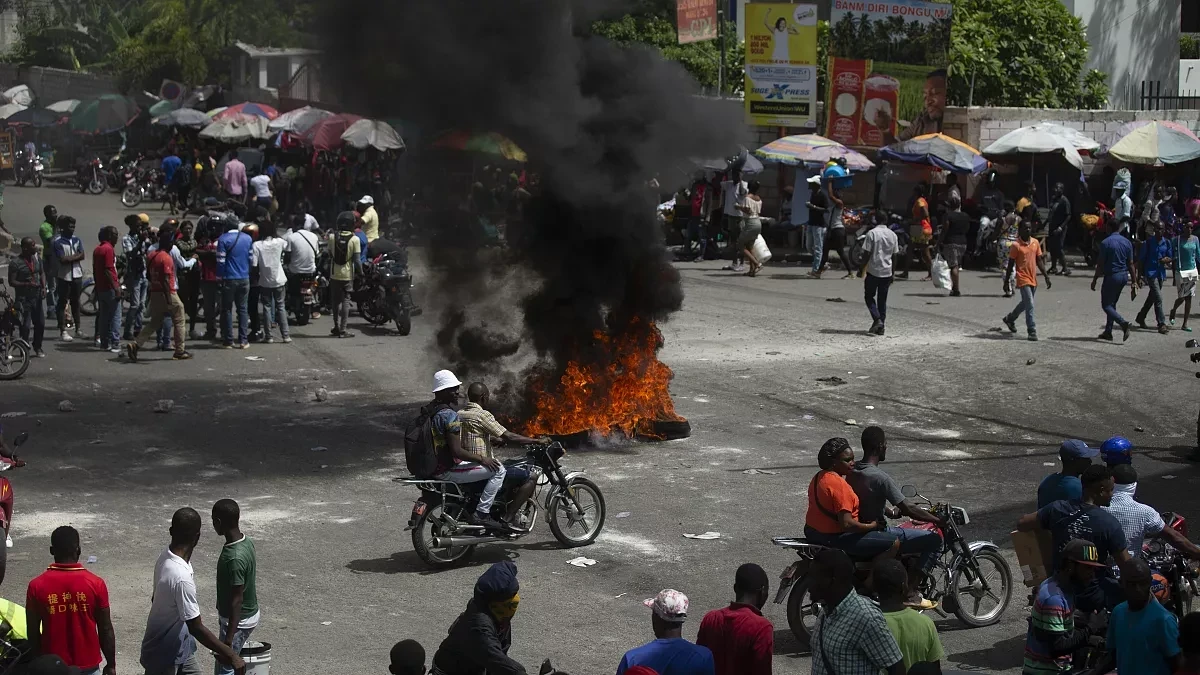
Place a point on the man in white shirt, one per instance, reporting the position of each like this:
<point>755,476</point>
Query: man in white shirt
<point>272,281</point>
<point>68,252</point>
<point>880,244</point>
<point>174,624</point>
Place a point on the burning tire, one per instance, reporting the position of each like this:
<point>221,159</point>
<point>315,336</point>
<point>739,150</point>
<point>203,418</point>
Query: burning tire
<point>578,527</point>
<point>669,430</point>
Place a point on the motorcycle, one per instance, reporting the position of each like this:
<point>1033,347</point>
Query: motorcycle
<point>573,505</point>
<point>959,582</point>
<point>27,169</point>
<point>90,177</point>
<point>1177,588</point>
<point>120,170</point>
<point>146,184</point>
<point>6,491</point>
<point>394,290</point>
<point>303,302</point>
<point>15,353</point>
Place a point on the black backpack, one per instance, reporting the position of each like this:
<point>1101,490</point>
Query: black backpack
<point>419,453</point>
<point>341,247</point>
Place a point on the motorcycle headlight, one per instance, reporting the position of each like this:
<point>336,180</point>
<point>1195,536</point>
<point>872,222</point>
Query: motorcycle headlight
<point>959,515</point>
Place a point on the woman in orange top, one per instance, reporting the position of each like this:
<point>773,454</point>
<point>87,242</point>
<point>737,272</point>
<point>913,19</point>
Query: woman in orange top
<point>921,232</point>
<point>832,517</point>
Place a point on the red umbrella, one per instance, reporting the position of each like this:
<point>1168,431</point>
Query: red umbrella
<point>327,134</point>
<point>257,109</point>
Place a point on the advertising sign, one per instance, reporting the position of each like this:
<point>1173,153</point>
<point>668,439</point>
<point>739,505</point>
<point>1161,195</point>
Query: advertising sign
<point>887,70</point>
<point>696,20</point>
<point>781,57</point>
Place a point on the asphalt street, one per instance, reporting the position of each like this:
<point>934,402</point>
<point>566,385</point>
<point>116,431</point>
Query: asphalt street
<point>973,416</point>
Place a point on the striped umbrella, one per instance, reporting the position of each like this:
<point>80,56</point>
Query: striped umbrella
<point>217,111</point>
<point>1153,143</point>
<point>939,151</point>
<point>490,143</point>
<point>812,151</point>
<point>257,109</point>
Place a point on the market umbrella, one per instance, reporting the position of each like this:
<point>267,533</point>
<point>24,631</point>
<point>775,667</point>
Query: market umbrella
<point>1084,144</point>
<point>1153,143</point>
<point>110,112</point>
<point>217,111</point>
<point>35,117</point>
<point>299,120</point>
<point>9,109</point>
<point>20,94</point>
<point>67,106</point>
<point>373,134</point>
<point>259,109</point>
<point>236,129</point>
<point>490,143</point>
<point>162,108</point>
<point>750,164</point>
<point>183,117</point>
<point>327,134</point>
<point>812,151</point>
<point>1033,141</point>
<point>936,150</point>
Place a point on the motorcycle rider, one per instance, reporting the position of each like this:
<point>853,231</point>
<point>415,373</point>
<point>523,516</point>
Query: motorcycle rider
<point>479,427</point>
<point>1076,457</point>
<point>875,489</point>
<point>1052,637</point>
<point>1139,520</point>
<point>479,639</point>
<point>832,518</point>
<point>1116,450</point>
<point>1143,636</point>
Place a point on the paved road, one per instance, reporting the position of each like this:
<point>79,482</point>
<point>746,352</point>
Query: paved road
<point>968,420</point>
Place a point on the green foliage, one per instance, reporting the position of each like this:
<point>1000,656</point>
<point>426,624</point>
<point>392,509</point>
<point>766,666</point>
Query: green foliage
<point>1189,46</point>
<point>891,40</point>
<point>1021,53</point>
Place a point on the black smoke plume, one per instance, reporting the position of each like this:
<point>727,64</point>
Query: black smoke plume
<point>598,122</point>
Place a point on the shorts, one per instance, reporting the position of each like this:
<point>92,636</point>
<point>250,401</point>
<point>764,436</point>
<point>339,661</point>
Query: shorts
<point>953,253</point>
<point>1187,288</point>
<point>835,239</point>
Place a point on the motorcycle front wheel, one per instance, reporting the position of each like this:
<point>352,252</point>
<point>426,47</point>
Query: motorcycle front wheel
<point>404,322</point>
<point>374,315</point>
<point>14,358</point>
<point>967,598</point>
<point>802,612</point>
<point>131,197</point>
<point>87,301</point>
<point>37,180</point>
<point>96,187</point>
<point>428,526</point>
<point>577,526</point>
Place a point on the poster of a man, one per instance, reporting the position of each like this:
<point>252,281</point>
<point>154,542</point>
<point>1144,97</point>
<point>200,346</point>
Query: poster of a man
<point>930,119</point>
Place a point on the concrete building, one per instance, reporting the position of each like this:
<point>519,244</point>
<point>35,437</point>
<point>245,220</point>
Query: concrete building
<point>267,68</point>
<point>1134,41</point>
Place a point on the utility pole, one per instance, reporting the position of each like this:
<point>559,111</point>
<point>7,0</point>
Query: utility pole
<point>721,40</point>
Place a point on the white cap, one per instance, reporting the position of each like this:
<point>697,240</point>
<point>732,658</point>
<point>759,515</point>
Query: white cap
<point>444,379</point>
<point>816,180</point>
<point>366,199</point>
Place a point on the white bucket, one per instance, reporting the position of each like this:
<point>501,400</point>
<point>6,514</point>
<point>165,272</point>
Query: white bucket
<point>257,656</point>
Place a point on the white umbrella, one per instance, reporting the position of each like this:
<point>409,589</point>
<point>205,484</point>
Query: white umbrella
<point>9,109</point>
<point>299,120</point>
<point>20,95</point>
<point>1028,140</point>
<point>65,106</point>
<point>237,129</point>
<point>373,133</point>
<point>183,117</point>
<point>1078,139</point>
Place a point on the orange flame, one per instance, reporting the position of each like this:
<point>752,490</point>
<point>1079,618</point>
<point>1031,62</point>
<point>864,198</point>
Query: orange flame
<point>623,387</point>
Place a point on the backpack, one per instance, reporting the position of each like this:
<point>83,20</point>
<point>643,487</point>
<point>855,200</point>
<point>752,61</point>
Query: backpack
<point>419,453</point>
<point>132,263</point>
<point>341,247</point>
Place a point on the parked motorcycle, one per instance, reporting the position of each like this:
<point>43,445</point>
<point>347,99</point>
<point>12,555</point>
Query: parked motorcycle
<point>392,284</point>
<point>966,574</point>
<point>90,177</point>
<point>147,184</point>
<point>1178,573</point>
<point>27,169</point>
<point>573,505</point>
<point>15,353</point>
<point>120,170</point>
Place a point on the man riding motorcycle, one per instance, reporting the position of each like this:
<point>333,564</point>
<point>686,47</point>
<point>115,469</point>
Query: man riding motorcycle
<point>479,427</point>
<point>479,640</point>
<point>1140,521</point>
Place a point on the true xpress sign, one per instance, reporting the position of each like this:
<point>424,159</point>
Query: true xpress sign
<point>781,71</point>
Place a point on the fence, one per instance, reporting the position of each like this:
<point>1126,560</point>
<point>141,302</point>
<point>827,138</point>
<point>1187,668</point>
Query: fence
<point>1151,97</point>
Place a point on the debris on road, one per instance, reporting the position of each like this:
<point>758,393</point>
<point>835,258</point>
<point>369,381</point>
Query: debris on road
<point>623,514</point>
<point>326,623</point>
<point>757,472</point>
<point>66,406</point>
<point>164,405</point>
<point>319,448</point>
<point>995,329</point>
<point>832,379</point>
<point>834,300</point>
<point>1168,477</point>
<point>255,358</point>
<point>1028,398</point>
<point>1030,362</point>
<point>869,407</point>
<point>851,423</point>
<point>91,560</point>
<point>7,415</point>
<point>774,353</point>
<point>1138,429</point>
<point>581,561</point>
<point>703,535</point>
<point>1049,464</point>
<point>322,395</point>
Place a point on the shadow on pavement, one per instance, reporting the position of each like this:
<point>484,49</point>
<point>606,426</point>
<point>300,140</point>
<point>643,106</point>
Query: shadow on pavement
<point>408,562</point>
<point>786,644</point>
<point>1003,655</point>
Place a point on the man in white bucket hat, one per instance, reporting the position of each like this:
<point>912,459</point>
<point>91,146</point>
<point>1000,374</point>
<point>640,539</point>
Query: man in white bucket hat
<point>456,464</point>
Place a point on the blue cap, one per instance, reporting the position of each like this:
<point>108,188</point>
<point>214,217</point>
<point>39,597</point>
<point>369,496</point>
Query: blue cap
<point>1073,448</point>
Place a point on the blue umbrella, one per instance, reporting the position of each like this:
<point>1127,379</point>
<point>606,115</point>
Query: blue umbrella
<point>939,151</point>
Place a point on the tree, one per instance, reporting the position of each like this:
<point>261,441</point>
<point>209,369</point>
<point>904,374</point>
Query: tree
<point>1028,53</point>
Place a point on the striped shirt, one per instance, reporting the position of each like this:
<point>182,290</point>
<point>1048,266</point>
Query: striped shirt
<point>1051,613</point>
<point>479,427</point>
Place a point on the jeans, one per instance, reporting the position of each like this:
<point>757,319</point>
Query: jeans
<point>925,543</point>
<point>816,235</point>
<point>239,640</point>
<point>273,307</point>
<point>1153,299</point>
<point>877,287</point>
<point>162,306</point>
<point>163,337</point>
<point>33,314</point>
<point>211,292</point>
<point>189,293</point>
<point>339,299</point>
<point>470,472</point>
<point>695,233</point>
<point>68,294</point>
<point>235,292</point>
<point>189,667</point>
<point>1057,241</point>
<point>1110,293</point>
<point>137,289</point>
<point>51,287</point>
<point>1025,305</point>
<point>108,318</point>
<point>252,303</point>
<point>858,545</point>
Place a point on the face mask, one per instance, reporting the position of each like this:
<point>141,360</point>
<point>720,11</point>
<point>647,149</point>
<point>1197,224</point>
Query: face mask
<point>504,610</point>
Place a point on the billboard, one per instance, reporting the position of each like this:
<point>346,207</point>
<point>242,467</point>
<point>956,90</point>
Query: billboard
<point>696,20</point>
<point>781,57</point>
<point>887,70</point>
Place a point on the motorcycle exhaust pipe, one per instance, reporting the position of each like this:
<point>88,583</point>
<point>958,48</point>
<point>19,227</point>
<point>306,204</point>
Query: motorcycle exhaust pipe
<point>447,542</point>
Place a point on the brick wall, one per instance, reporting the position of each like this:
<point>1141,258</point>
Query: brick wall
<point>53,84</point>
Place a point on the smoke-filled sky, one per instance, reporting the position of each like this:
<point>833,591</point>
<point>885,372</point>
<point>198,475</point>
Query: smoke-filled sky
<point>597,121</point>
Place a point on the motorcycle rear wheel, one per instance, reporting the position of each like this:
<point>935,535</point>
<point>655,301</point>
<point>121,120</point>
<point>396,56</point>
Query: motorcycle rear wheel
<point>404,323</point>
<point>131,197</point>
<point>427,528</point>
<point>37,180</point>
<point>87,301</point>
<point>14,358</point>
<point>802,607</point>
<point>585,491</point>
<point>373,314</point>
<point>964,600</point>
<point>96,187</point>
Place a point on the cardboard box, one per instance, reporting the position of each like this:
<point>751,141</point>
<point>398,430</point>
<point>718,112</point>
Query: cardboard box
<point>1034,550</point>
